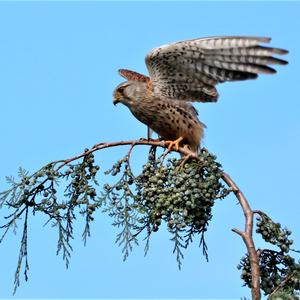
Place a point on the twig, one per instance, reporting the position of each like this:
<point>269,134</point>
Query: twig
<point>261,213</point>
<point>129,154</point>
<point>282,284</point>
<point>247,237</point>
<point>130,150</point>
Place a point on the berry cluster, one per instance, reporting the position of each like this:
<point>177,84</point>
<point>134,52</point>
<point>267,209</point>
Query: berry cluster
<point>272,233</point>
<point>82,176</point>
<point>180,195</point>
<point>276,267</point>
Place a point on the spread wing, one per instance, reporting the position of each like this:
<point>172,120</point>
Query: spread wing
<point>189,70</point>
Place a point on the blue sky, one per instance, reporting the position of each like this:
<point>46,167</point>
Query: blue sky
<point>58,68</point>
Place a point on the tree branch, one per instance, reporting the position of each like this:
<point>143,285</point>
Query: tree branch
<point>100,146</point>
<point>248,213</point>
<point>282,284</point>
<point>247,236</point>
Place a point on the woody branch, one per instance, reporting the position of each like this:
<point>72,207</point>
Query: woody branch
<point>248,213</point>
<point>247,236</point>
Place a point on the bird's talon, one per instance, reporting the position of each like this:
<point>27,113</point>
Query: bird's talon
<point>172,144</point>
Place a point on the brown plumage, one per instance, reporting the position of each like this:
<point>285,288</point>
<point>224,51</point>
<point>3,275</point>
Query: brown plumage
<point>188,71</point>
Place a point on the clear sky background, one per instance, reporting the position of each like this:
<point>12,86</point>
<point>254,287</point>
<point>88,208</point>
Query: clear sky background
<point>58,68</point>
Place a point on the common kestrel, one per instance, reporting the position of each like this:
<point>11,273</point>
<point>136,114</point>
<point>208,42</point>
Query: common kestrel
<point>188,71</point>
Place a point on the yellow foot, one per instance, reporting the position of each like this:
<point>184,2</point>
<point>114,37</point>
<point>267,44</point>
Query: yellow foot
<point>175,143</point>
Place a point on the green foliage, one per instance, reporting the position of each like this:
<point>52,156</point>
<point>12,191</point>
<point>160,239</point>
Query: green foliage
<point>181,196</point>
<point>284,294</point>
<point>170,194</point>
<point>280,273</point>
<point>38,193</point>
<point>273,233</point>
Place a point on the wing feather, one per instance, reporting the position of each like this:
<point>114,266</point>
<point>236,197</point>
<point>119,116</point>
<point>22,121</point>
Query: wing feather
<point>189,70</point>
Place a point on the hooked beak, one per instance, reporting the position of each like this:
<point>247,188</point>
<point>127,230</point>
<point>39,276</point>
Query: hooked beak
<point>116,101</point>
<point>117,98</point>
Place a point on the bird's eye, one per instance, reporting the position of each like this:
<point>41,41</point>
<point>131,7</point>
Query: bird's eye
<point>121,89</point>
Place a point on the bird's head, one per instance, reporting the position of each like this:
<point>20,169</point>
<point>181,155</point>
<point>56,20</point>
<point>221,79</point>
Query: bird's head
<point>128,92</point>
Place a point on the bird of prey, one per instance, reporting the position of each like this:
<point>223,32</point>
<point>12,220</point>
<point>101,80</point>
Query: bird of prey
<point>188,71</point>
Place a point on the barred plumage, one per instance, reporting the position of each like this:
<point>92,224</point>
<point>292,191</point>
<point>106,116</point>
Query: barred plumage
<point>198,61</point>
